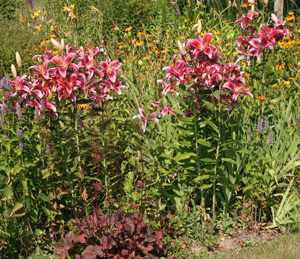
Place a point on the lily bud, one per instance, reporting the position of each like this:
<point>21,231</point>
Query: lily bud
<point>57,44</point>
<point>266,2</point>
<point>19,60</point>
<point>62,43</point>
<point>13,70</point>
<point>198,25</point>
<point>252,9</point>
<point>180,47</point>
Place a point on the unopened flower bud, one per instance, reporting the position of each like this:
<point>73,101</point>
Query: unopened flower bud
<point>62,43</point>
<point>57,44</point>
<point>198,26</point>
<point>19,60</point>
<point>13,70</point>
<point>180,47</point>
<point>253,9</point>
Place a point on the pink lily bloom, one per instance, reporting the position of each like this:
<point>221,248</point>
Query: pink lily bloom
<point>145,119</point>
<point>111,68</point>
<point>37,103</point>
<point>237,88</point>
<point>63,63</point>
<point>177,70</point>
<point>202,44</point>
<point>165,110</point>
<point>69,83</point>
<point>48,55</point>
<point>170,88</point>
<point>269,33</point>
<point>117,86</point>
<point>247,19</point>
<point>42,69</point>
<point>258,46</point>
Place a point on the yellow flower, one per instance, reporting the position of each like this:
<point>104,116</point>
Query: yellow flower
<point>291,13</point>
<point>36,14</point>
<point>227,44</point>
<point>280,67</point>
<point>216,32</point>
<point>291,24</point>
<point>39,28</point>
<point>95,9</point>
<point>162,60</point>
<point>139,34</point>
<point>139,43</point>
<point>149,35</point>
<point>243,63</point>
<point>128,29</point>
<point>52,28</point>
<point>72,7</point>
<point>293,78</point>
<point>82,105</point>
<point>22,19</point>
<point>163,51</point>
<point>289,18</point>
<point>121,46</point>
<point>52,36</point>
<point>203,33</point>
<point>133,57</point>
<point>275,85</point>
<point>67,9</point>
<point>148,17</point>
<point>185,20</point>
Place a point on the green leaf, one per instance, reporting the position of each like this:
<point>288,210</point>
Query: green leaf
<point>17,206</point>
<point>44,197</point>
<point>205,186</point>
<point>214,126</point>
<point>229,160</point>
<point>183,156</point>
<point>204,142</point>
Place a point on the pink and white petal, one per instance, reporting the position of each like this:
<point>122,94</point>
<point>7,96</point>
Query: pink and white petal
<point>156,104</point>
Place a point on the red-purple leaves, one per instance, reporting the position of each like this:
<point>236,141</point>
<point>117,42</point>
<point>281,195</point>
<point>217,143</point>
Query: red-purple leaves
<point>114,236</point>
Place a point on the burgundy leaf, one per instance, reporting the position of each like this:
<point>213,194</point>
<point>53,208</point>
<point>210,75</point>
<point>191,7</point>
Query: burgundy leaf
<point>91,252</point>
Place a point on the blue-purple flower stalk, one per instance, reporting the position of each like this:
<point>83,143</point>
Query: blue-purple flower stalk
<point>266,127</point>
<point>19,133</point>
<point>21,146</point>
<point>271,138</point>
<point>259,125</point>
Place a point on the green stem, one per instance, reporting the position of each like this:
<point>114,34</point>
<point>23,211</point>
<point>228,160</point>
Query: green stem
<point>202,204</point>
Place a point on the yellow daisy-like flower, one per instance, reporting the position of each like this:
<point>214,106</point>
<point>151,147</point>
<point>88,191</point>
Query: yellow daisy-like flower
<point>163,51</point>
<point>291,13</point>
<point>280,67</point>
<point>289,18</point>
<point>128,29</point>
<point>216,32</point>
<point>275,85</point>
<point>149,36</point>
<point>95,9</point>
<point>139,43</point>
<point>291,24</point>
<point>36,14</point>
<point>227,44</point>
<point>67,9</point>
<point>133,57</point>
<point>82,105</point>
<point>22,19</point>
<point>52,36</point>
<point>139,34</point>
<point>203,33</point>
<point>39,28</point>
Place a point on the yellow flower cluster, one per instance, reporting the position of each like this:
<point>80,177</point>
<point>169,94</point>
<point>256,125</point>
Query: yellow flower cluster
<point>280,67</point>
<point>289,44</point>
<point>36,14</point>
<point>128,29</point>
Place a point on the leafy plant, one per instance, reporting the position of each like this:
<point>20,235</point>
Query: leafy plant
<point>114,236</point>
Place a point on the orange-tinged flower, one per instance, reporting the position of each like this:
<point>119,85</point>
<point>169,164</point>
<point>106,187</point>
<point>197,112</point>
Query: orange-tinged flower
<point>142,79</point>
<point>133,57</point>
<point>249,3</point>
<point>247,74</point>
<point>249,87</point>
<point>262,97</point>
<point>22,19</point>
<point>67,9</point>
<point>128,29</point>
<point>139,43</point>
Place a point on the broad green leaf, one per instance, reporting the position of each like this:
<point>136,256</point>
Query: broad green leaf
<point>183,156</point>
<point>204,142</point>
<point>229,160</point>
<point>17,206</point>
<point>44,197</point>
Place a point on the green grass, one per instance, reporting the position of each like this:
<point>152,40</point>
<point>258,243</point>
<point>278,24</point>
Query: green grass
<point>286,247</point>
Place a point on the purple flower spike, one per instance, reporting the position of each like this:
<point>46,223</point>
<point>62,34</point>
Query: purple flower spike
<point>259,149</point>
<point>48,149</point>
<point>30,3</point>
<point>259,125</point>
<point>271,138</point>
<point>21,146</point>
<point>250,140</point>
<point>249,131</point>
<point>5,138</point>
<point>19,133</point>
<point>266,124</point>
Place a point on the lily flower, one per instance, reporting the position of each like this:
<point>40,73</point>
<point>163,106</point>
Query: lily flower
<point>145,119</point>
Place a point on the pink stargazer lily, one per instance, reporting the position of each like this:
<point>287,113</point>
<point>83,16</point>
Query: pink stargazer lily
<point>170,88</point>
<point>177,70</point>
<point>42,69</point>
<point>63,63</point>
<point>145,119</point>
<point>258,46</point>
<point>111,68</point>
<point>202,44</point>
<point>270,33</point>
<point>247,19</point>
<point>237,88</point>
<point>165,110</point>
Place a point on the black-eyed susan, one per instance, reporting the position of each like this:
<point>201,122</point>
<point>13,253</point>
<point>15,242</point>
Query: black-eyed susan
<point>216,32</point>
<point>128,28</point>
<point>139,43</point>
<point>36,14</point>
